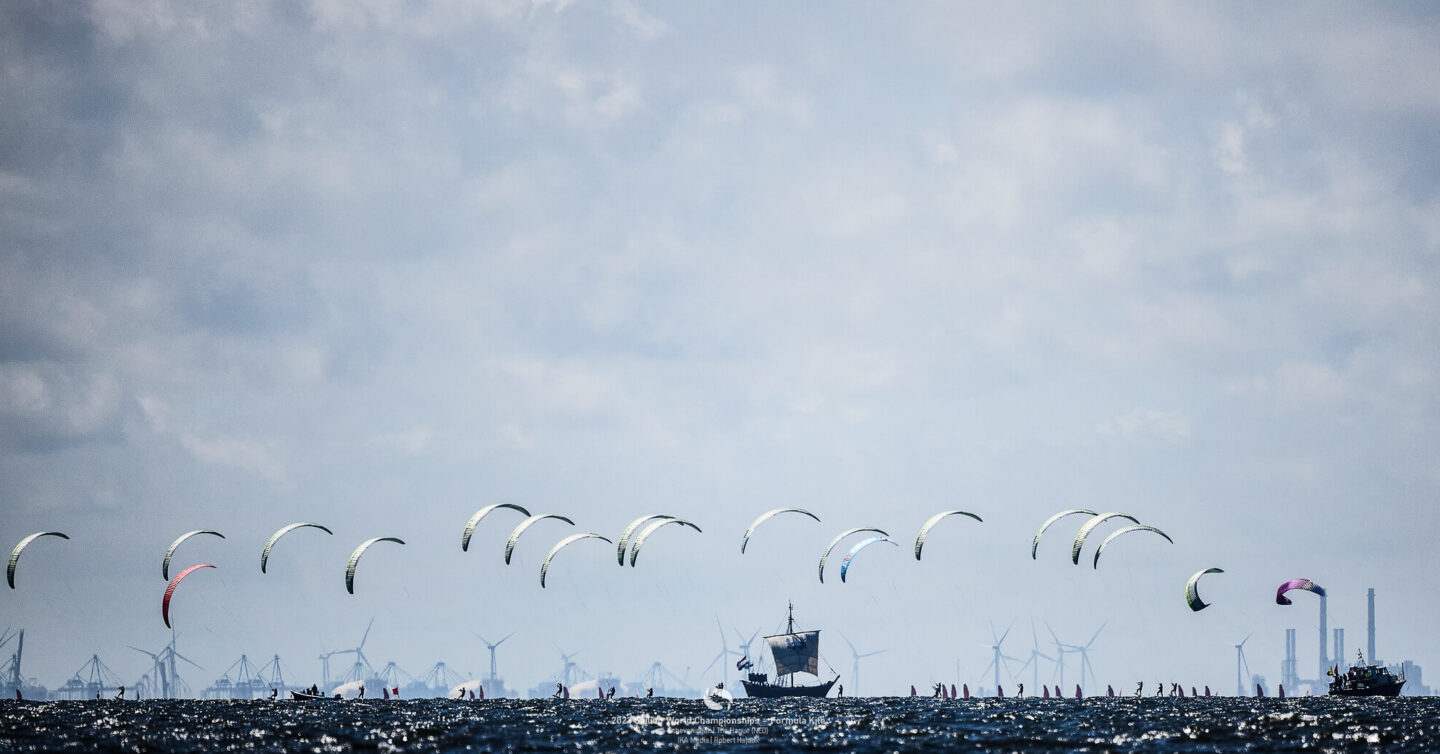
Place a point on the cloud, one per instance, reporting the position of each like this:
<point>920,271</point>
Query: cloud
<point>215,450</point>
<point>246,455</point>
<point>45,408</point>
<point>412,441</point>
<point>1304,385</point>
<point>644,25</point>
<point>1171,426</point>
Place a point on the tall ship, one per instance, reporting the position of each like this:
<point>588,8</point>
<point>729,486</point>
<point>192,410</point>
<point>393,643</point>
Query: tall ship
<point>1365,680</point>
<point>793,652</point>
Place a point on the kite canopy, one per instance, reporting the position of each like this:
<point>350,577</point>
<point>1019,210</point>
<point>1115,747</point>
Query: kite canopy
<point>826,554</point>
<point>1035,544</point>
<point>475,520</point>
<point>15,553</point>
<point>845,565</point>
<point>355,558</point>
<point>767,516</point>
<point>270,543</point>
<point>169,551</point>
<point>515,535</point>
<point>1089,526</point>
<point>1192,593</point>
<point>648,530</point>
<point>545,566</point>
<point>1125,530</point>
<point>925,529</point>
<point>630,528</point>
<point>170,590</point>
<point>1293,584</point>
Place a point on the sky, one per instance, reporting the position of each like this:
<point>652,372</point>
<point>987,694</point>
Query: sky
<point>376,265</point>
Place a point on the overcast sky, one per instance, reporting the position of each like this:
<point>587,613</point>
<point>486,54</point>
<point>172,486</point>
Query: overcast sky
<point>377,265</point>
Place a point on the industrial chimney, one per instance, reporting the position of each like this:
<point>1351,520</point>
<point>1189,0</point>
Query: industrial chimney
<point>1370,650</point>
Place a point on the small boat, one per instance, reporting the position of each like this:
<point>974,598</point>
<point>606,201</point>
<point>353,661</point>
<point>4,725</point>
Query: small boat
<point>306,695</point>
<point>1365,680</point>
<point>793,652</point>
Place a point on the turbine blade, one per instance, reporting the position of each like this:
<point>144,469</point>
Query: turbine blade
<point>187,659</point>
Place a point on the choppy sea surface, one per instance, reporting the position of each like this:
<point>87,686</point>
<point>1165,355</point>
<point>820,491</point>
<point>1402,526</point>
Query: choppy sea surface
<point>881,724</point>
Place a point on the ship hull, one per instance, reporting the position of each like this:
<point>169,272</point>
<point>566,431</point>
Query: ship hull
<point>1379,689</point>
<point>774,691</point>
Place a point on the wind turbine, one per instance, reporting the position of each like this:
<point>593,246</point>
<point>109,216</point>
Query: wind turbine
<point>177,685</point>
<point>743,647</point>
<point>1239,661</point>
<point>159,669</point>
<point>855,666</point>
<point>362,664</point>
<point>494,676</point>
<point>1059,655</point>
<point>568,671</point>
<point>1035,656</point>
<point>165,668</point>
<point>1085,657</point>
<point>325,667</point>
<point>1000,657</point>
<point>723,657</point>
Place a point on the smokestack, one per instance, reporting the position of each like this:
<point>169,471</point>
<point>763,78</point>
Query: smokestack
<point>1324,640</point>
<point>1290,669</point>
<point>1340,649</point>
<point>1370,649</point>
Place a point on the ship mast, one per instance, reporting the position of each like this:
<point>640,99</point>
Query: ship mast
<point>790,629</point>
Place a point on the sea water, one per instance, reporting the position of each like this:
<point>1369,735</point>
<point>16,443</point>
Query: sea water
<point>880,724</point>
